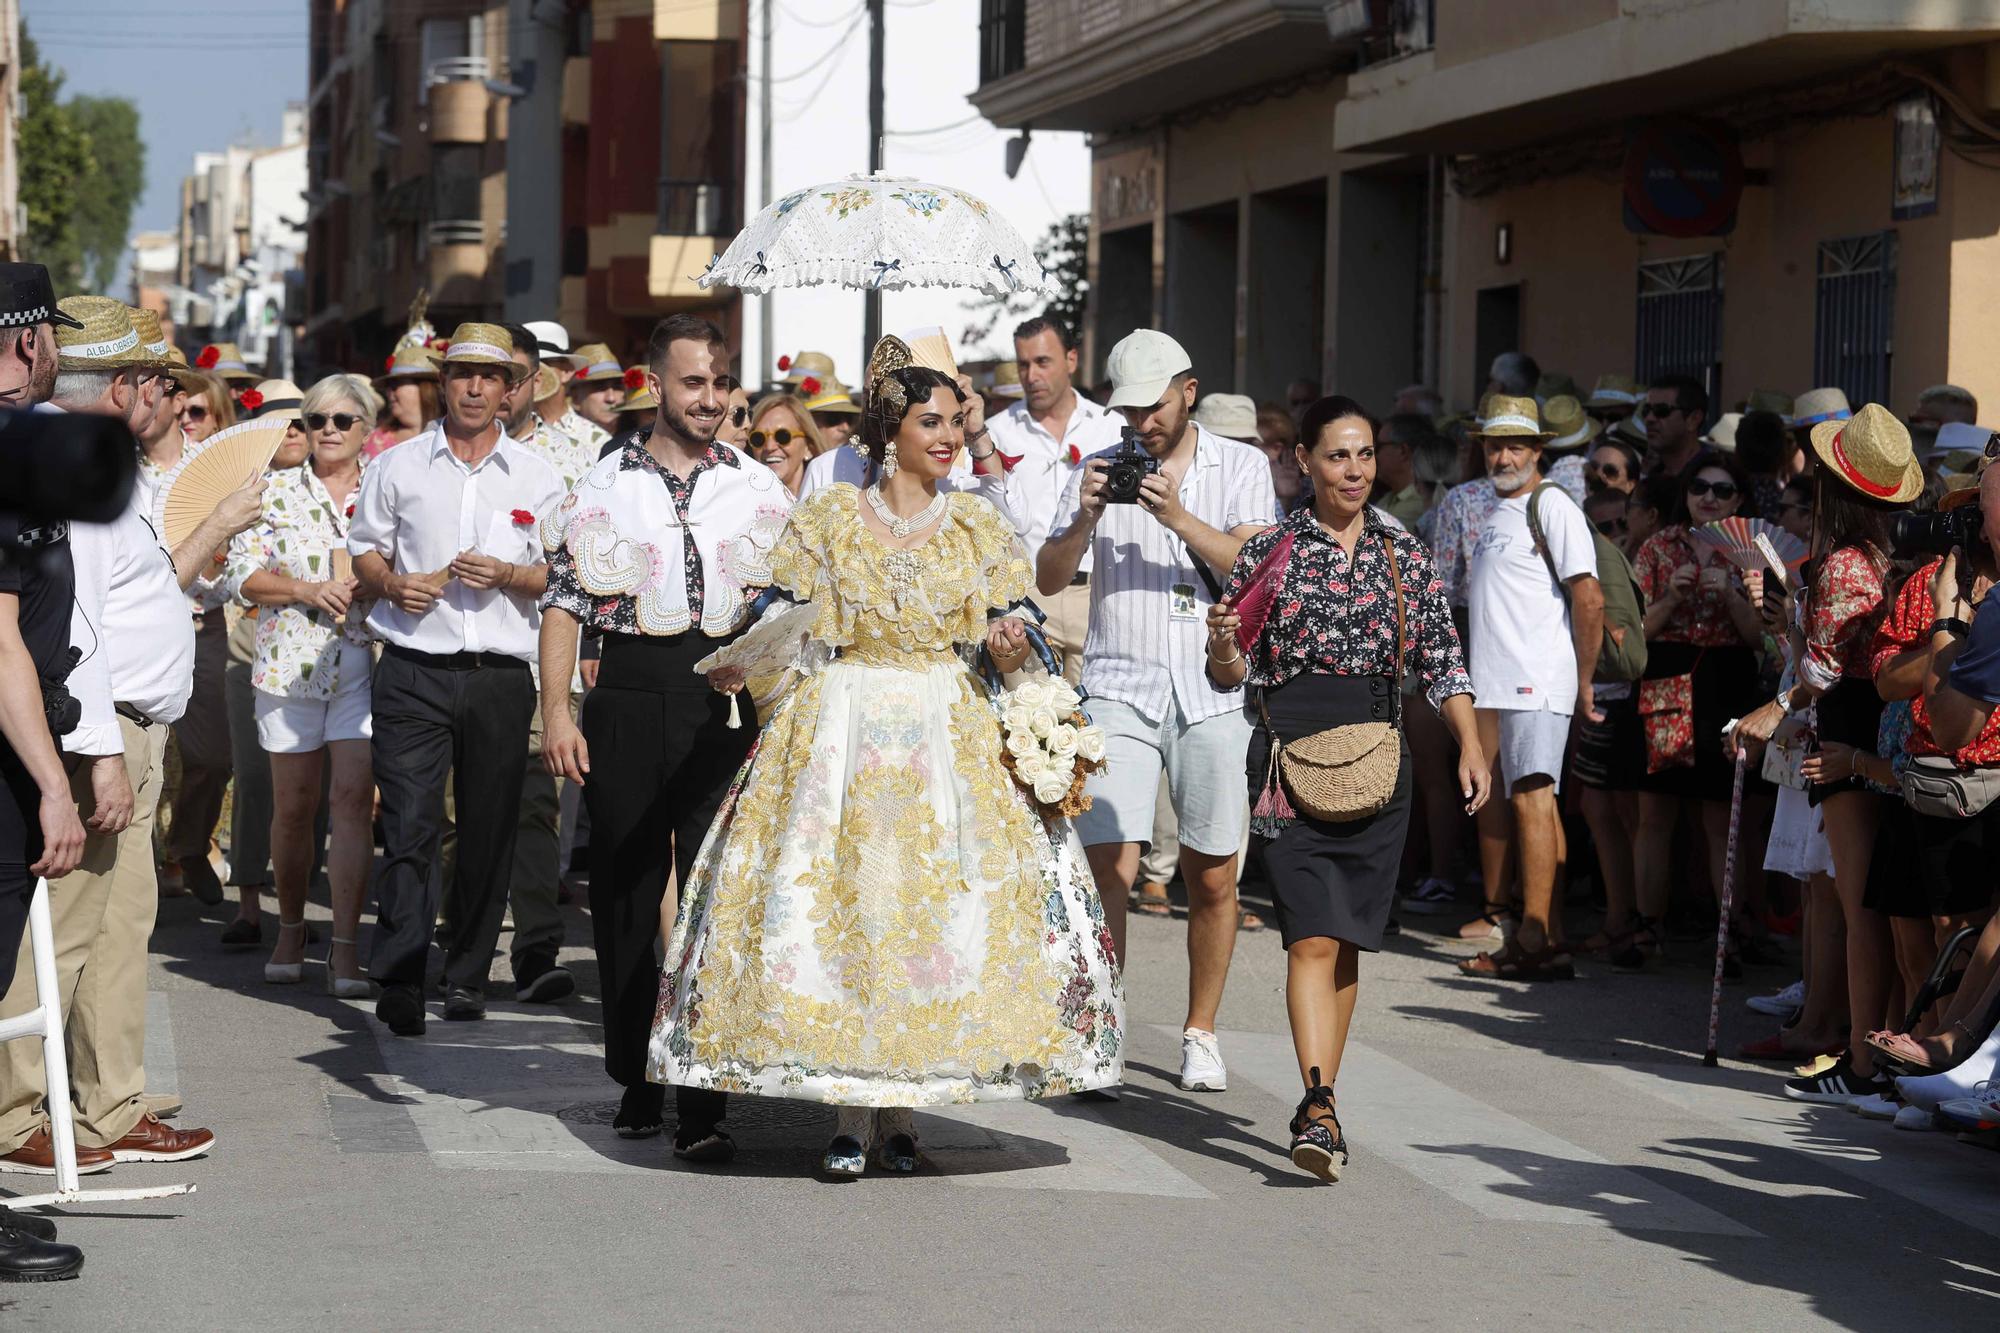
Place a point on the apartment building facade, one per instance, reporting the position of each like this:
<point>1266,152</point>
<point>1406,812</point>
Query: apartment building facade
<point>1770,194</point>
<point>519,161</point>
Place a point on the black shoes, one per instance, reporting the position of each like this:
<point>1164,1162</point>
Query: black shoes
<point>540,979</point>
<point>201,879</point>
<point>1318,1145</point>
<point>705,1144</point>
<point>41,1228</point>
<point>462,1004</point>
<point>401,1009</point>
<point>27,1258</point>
<point>641,1112</point>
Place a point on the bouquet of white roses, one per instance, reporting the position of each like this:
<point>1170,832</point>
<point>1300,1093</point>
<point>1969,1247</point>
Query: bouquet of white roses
<point>1050,744</point>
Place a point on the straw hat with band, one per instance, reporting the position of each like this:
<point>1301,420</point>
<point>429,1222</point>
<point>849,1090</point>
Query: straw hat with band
<point>1871,453</point>
<point>104,337</point>
<point>485,345</point>
<point>1508,418</point>
<point>1963,487</point>
<point>1007,380</point>
<point>814,365</point>
<point>833,396</point>
<point>598,365</point>
<point>272,398</point>
<point>1570,427</point>
<point>1556,384</point>
<point>153,337</point>
<point>226,361</point>
<point>640,399</point>
<point>548,383</point>
<point>1818,405</point>
<point>410,361</point>
<point>1614,393</point>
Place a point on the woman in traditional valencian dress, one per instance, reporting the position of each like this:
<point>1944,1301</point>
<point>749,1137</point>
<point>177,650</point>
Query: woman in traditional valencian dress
<point>881,918</point>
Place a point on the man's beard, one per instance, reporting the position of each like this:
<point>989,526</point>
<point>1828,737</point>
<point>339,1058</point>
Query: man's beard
<point>42,381</point>
<point>1512,479</point>
<point>690,430</point>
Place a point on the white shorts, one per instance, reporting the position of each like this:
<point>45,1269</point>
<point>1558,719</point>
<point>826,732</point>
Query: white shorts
<point>286,725</point>
<point>1203,763</point>
<point>1532,742</point>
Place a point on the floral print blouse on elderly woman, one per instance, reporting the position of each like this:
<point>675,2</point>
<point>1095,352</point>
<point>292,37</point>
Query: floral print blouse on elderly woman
<point>1336,616</point>
<point>298,647</point>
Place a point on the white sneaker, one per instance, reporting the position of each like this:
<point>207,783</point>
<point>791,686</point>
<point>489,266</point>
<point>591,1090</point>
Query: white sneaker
<point>1201,1062</point>
<point>1913,1118</point>
<point>1877,1107</point>
<point>1782,1005</point>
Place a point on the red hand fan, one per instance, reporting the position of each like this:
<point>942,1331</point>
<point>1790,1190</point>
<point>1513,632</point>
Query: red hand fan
<point>1253,603</point>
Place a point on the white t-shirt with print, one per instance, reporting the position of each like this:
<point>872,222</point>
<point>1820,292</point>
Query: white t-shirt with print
<point>1522,654</point>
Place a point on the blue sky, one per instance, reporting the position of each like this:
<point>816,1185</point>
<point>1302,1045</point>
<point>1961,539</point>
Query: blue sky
<point>204,73</point>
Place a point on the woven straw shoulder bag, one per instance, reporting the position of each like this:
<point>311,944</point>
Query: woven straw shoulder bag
<point>1349,772</point>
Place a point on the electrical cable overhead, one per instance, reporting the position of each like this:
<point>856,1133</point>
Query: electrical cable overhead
<point>815,23</point>
<point>935,129</point>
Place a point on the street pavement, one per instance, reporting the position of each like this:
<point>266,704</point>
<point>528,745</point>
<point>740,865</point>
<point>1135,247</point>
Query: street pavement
<point>1548,1157</point>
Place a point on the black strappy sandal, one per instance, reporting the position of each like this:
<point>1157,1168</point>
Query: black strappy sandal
<point>1318,1146</point>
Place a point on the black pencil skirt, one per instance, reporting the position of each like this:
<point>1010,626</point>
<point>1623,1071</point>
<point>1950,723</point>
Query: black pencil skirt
<point>1336,881</point>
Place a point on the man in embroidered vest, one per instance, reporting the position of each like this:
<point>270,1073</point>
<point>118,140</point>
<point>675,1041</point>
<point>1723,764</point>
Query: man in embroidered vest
<point>660,549</point>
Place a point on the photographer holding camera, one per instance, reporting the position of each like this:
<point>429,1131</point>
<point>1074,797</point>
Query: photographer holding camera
<point>1158,515</point>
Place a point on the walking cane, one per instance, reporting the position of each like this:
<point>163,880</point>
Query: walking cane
<point>1728,903</point>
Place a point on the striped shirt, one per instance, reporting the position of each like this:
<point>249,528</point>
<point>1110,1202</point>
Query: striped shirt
<point>1148,606</point>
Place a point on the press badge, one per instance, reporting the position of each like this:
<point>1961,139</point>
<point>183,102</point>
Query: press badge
<point>1183,602</point>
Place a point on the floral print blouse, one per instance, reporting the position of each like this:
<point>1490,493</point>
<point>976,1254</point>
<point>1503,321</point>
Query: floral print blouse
<point>1702,618</point>
<point>298,647</point>
<point>1334,616</point>
<point>1908,625</point>
<point>1460,515</point>
<point>563,451</point>
<point>1842,611</point>
<point>620,614</point>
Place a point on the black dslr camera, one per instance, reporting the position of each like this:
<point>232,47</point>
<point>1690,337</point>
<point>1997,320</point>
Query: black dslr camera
<point>1125,469</point>
<point>1936,534</point>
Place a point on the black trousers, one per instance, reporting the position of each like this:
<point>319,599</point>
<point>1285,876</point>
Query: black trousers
<point>432,721</point>
<point>17,887</point>
<point>661,758</point>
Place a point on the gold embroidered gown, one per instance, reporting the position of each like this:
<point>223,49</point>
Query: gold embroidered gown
<point>879,916</point>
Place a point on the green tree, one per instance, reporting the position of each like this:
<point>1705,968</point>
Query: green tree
<point>55,163</point>
<point>1063,250</point>
<point>118,174</point>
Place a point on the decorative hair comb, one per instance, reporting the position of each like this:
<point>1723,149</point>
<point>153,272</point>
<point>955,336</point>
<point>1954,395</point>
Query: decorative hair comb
<point>891,354</point>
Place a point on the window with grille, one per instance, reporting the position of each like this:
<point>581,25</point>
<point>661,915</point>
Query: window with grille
<point>1680,320</point>
<point>1003,38</point>
<point>1854,316</point>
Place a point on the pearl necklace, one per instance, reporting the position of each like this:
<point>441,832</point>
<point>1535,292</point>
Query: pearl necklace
<point>899,528</point>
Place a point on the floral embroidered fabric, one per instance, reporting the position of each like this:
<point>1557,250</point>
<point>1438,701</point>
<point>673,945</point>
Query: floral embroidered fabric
<point>1842,611</point>
<point>1908,625</point>
<point>1337,617</point>
<point>879,916</point>
<point>298,647</point>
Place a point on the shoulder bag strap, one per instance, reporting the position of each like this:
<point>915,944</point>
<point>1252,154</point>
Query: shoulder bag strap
<point>1201,568</point>
<point>1396,584</point>
<point>1541,541</point>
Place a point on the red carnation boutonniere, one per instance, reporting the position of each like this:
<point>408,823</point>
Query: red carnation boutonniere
<point>784,364</point>
<point>1008,462</point>
<point>209,356</point>
<point>1075,455</point>
<point>350,510</point>
<point>635,378</point>
<point>251,400</point>
<point>523,518</point>
<point>809,387</point>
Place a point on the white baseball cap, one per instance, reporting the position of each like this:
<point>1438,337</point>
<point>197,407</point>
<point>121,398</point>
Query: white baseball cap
<point>1141,367</point>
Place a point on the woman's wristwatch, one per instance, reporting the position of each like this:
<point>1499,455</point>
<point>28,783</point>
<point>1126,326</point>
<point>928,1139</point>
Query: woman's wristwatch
<point>1951,625</point>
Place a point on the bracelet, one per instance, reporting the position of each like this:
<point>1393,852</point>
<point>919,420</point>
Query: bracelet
<point>1226,661</point>
<point>981,458</point>
<point>1950,625</point>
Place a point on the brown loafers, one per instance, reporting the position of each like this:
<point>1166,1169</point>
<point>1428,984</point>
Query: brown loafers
<point>37,1157</point>
<point>153,1140</point>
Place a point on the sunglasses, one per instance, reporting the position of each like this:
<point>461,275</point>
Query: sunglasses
<point>196,411</point>
<point>1615,471</point>
<point>1721,490</point>
<point>1657,410</point>
<point>1612,527</point>
<point>781,437</point>
<point>342,421</point>
<point>738,415</point>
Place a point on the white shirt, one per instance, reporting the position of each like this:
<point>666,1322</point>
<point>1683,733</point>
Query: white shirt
<point>419,506</point>
<point>1147,645</point>
<point>1036,484</point>
<point>132,624</point>
<point>1523,657</point>
<point>845,464</point>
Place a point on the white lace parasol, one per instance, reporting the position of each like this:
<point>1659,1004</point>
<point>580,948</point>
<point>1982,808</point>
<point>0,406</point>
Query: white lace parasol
<point>880,232</point>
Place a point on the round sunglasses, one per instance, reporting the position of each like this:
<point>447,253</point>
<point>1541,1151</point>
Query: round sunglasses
<point>196,411</point>
<point>342,421</point>
<point>1721,490</point>
<point>781,437</point>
